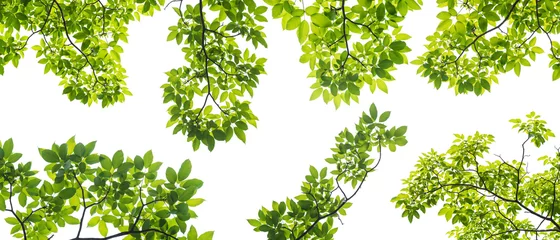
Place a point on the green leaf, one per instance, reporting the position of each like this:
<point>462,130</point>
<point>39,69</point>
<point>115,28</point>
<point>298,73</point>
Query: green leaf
<point>314,172</point>
<point>49,156</point>
<point>171,175</point>
<point>2,204</point>
<point>219,135</point>
<point>380,12</point>
<point>316,94</point>
<point>373,111</point>
<point>397,45</point>
<point>71,220</point>
<point>556,74</point>
<point>11,220</point>
<point>303,31</point>
<point>382,86</point>
<point>93,221</point>
<point>8,147</point>
<point>163,213</point>
<point>148,158</point>
<point>517,69</point>
<point>384,116</point>
<point>444,25</point>
<point>386,63</point>
<point>22,199</point>
<point>193,202</point>
<point>80,149</point>
<point>206,236</point>
<point>192,235</point>
<point>102,227</point>
<point>105,162</point>
<point>293,23</point>
<point>185,170</point>
<point>239,133</point>
<point>400,131</point>
<point>443,15</point>
<point>320,20</point>
<point>254,222</point>
<point>401,141</point>
<point>67,193</point>
<point>138,162</point>
<point>353,89</point>
<point>276,12</point>
<point>118,159</point>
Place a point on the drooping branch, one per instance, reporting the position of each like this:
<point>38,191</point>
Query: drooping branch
<point>73,44</point>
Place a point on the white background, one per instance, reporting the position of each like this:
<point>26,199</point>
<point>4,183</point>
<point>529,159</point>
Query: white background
<point>292,133</point>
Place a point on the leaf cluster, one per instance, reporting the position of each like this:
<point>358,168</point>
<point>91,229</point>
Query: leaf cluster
<point>476,41</point>
<point>325,194</point>
<point>109,193</point>
<point>493,199</point>
<point>342,66</point>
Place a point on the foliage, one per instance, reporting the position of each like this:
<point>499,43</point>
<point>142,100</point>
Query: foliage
<point>81,42</point>
<point>118,191</point>
<point>217,69</point>
<point>477,40</point>
<point>340,65</point>
<point>311,214</point>
<point>496,199</point>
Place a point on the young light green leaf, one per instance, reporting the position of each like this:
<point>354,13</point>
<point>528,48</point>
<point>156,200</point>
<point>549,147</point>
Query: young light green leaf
<point>206,236</point>
<point>303,31</point>
<point>320,20</point>
<point>185,170</point>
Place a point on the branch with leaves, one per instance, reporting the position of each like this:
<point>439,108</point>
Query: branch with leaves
<point>496,199</point>
<point>217,70</point>
<point>81,43</point>
<point>473,44</point>
<point>73,35</point>
<point>311,214</point>
<point>341,65</point>
<point>85,187</point>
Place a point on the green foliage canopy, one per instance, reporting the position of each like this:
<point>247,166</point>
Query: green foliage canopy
<point>494,199</point>
<point>476,41</point>
<point>94,190</point>
<point>81,42</point>
<point>340,64</point>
